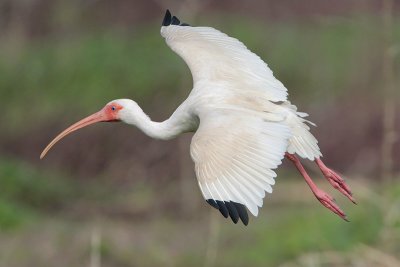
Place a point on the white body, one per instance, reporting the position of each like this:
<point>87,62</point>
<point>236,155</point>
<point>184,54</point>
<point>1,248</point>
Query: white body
<point>243,120</point>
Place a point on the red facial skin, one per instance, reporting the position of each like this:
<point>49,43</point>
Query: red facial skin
<point>110,112</point>
<point>107,114</point>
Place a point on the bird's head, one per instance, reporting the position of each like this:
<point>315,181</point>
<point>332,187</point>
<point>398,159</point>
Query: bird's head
<point>116,110</point>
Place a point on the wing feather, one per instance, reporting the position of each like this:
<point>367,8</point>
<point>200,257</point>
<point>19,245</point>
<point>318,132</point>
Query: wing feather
<point>213,56</point>
<point>234,160</point>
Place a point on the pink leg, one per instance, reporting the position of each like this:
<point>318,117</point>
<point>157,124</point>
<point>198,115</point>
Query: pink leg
<point>322,196</point>
<point>335,180</point>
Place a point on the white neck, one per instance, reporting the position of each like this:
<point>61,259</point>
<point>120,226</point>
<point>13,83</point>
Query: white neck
<point>179,122</point>
<point>159,130</point>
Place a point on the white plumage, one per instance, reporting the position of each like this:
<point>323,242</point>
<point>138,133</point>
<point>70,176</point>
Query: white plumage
<point>243,122</point>
<point>236,165</point>
<point>215,57</point>
<point>243,133</point>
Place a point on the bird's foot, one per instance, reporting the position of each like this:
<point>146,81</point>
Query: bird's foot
<point>322,196</point>
<point>335,180</point>
<point>329,202</point>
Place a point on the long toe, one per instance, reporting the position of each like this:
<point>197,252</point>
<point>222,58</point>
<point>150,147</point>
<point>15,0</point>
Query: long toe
<point>333,175</point>
<point>342,190</point>
<point>346,193</point>
<point>338,183</point>
<point>329,203</point>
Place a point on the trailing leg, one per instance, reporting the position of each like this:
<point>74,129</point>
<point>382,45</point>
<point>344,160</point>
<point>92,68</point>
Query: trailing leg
<point>322,196</point>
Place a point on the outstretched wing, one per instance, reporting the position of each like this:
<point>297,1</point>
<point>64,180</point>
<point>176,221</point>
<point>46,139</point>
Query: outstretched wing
<point>234,156</point>
<point>215,57</point>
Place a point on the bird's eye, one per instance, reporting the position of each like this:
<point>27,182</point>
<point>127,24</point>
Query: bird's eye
<point>113,108</point>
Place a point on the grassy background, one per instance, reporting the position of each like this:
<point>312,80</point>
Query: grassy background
<point>138,197</point>
<point>60,215</point>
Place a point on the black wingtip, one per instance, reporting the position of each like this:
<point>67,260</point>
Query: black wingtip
<point>175,21</point>
<point>172,20</point>
<point>213,203</point>
<point>232,209</point>
<point>241,209</point>
<point>233,213</point>
<point>167,18</point>
<point>222,208</point>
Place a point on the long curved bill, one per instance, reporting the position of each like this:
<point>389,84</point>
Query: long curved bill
<point>96,117</point>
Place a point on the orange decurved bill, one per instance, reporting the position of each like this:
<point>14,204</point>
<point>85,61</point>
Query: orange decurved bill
<point>96,117</point>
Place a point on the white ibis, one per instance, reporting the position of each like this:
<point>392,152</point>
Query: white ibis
<point>243,121</point>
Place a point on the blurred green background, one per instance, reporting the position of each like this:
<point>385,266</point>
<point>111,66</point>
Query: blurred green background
<point>111,196</point>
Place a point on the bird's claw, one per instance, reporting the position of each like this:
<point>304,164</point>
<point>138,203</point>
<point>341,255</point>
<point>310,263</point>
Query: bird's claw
<point>338,183</point>
<point>330,203</point>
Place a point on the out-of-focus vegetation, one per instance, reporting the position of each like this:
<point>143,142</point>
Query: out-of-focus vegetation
<point>112,184</point>
<point>292,228</point>
<point>327,57</point>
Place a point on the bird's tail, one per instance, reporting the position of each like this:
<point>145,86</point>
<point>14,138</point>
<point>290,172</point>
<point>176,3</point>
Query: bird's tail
<point>302,141</point>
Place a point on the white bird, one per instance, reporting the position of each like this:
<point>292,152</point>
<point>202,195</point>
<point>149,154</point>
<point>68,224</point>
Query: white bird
<point>243,121</point>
